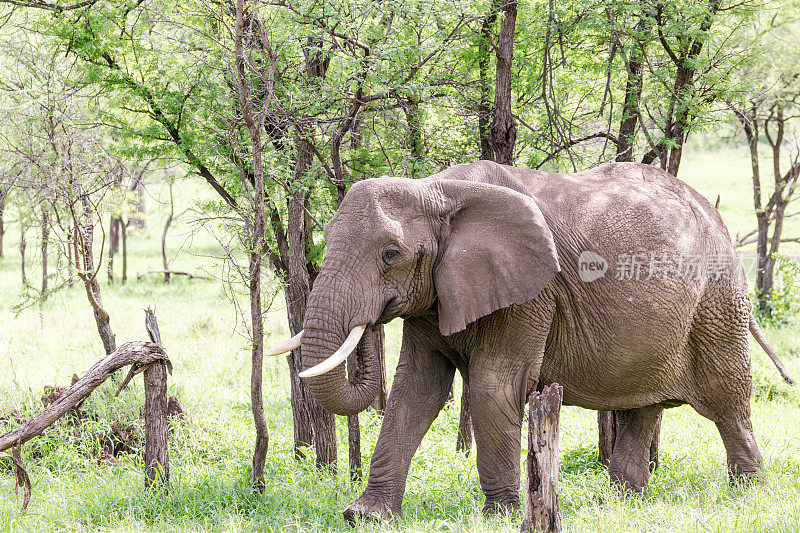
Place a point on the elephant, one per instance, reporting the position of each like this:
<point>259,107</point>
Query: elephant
<point>505,274</point>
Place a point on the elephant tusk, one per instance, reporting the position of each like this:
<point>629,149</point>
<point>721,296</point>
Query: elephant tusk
<point>286,346</point>
<point>339,356</point>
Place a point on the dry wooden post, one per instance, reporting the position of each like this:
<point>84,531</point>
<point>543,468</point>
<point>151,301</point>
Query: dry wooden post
<point>156,450</point>
<point>542,511</point>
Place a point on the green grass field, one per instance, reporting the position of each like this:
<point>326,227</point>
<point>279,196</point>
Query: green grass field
<point>210,453</point>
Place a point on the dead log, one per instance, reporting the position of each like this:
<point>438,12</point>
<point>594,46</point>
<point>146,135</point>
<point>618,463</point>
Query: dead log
<point>175,409</point>
<point>142,356</point>
<point>138,353</point>
<point>22,479</point>
<point>542,510</point>
<point>141,353</point>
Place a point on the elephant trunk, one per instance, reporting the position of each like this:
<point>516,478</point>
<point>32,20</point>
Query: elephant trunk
<point>326,327</point>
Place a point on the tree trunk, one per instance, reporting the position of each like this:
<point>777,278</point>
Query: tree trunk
<point>113,245</point>
<point>484,107</point>
<point>124,231</point>
<point>633,92</point>
<point>503,129</point>
<point>92,287</point>
<point>313,424</point>
<point>45,240</point>
<point>256,227</point>
<point>542,510</point>
<point>678,131</point>
<point>353,427</point>
<point>156,432</point>
<point>679,117</point>
<point>764,262</point>
<point>167,224</point>
<point>354,448</point>
<point>72,261</point>
<point>2,224</point>
<point>655,442</point>
<point>22,246</point>
<point>156,428</point>
<point>138,220</point>
<point>256,373</point>
<point>415,141</point>
<point>380,342</point>
<point>464,441</point>
<point>607,436</point>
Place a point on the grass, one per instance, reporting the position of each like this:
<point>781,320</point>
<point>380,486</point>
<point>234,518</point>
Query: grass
<point>210,452</point>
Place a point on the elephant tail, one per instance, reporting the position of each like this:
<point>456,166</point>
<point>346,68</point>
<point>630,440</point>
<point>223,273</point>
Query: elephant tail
<point>762,341</point>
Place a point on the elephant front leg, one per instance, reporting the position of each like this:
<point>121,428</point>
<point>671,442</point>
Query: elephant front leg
<point>497,422</point>
<point>421,385</point>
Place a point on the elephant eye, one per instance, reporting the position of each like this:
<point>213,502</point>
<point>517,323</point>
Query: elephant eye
<point>389,255</point>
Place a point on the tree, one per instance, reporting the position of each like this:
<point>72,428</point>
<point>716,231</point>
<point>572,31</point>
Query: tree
<point>61,168</point>
<point>770,112</point>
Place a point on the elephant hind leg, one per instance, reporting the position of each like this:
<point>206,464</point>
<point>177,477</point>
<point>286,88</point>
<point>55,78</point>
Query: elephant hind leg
<point>744,459</point>
<point>722,384</point>
<point>630,461</point>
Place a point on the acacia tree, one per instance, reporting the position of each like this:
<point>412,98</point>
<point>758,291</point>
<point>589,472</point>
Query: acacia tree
<point>61,168</point>
<point>770,116</point>
<point>165,101</point>
<point>253,81</point>
<point>624,80</point>
<point>770,112</point>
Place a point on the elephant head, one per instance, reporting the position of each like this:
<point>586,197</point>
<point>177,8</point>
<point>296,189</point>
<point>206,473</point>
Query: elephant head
<point>459,245</point>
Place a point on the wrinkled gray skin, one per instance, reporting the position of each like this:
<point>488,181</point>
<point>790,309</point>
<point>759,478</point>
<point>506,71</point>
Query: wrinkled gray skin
<point>483,267</point>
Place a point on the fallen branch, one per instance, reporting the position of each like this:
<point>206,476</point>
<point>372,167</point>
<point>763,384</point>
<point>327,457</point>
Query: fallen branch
<point>172,272</point>
<point>132,353</point>
<point>23,481</point>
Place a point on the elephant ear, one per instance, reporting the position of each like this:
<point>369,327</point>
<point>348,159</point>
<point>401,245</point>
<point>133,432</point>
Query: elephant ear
<point>495,250</point>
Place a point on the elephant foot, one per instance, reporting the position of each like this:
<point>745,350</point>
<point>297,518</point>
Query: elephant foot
<point>739,477</point>
<point>629,478</point>
<point>628,485</point>
<point>368,507</point>
<point>494,508</point>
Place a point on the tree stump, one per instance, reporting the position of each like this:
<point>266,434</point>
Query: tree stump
<point>542,511</point>
<point>156,452</point>
<point>156,428</point>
